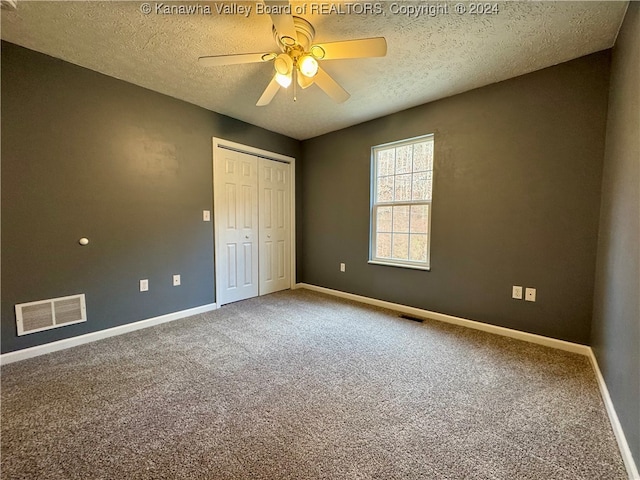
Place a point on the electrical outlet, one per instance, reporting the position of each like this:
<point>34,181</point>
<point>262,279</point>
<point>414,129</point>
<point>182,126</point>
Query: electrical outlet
<point>343,267</point>
<point>144,285</point>
<point>176,280</point>
<point>516,292</point>
<point>206,216</point>
<point>530,294</point>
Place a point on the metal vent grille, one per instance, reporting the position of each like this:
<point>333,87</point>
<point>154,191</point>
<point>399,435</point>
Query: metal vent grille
<point>46,314</point>
<point>37,317</point>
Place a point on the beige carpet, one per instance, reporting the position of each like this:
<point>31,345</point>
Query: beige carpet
<point>297,385</point>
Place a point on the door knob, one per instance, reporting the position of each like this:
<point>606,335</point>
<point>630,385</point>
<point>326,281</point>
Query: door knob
<point>268,236</point>
<point>247,237</point>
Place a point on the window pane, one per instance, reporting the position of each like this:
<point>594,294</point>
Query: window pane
<point>401,219</point>
<point>403,187</point>
<point>422,186</point>
<point>419,190</point>
<point>418,248</point>
<point>383,245</point>
<point>386,162</point>
<point>423,156</point>
<point>403,159</point>
<point>400,246</point>
<point>383,219</point>
<point>420,157</point>
<point>384,189</point>
<point>419,217</point>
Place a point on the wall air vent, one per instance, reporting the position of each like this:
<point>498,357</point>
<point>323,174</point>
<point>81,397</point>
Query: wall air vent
<point>47,314</point>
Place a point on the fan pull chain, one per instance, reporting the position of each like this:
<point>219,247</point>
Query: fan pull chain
<point>295,84</point>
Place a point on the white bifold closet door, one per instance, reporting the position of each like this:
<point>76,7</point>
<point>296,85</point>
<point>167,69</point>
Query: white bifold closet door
<point>275,226</point>
<point>252,212</point>
<point>236,223</point>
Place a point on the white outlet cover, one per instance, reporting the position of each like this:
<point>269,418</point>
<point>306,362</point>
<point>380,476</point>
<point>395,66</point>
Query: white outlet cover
<point>516,292</point>
<point>176,280</point>
<point>144,285</point>
<point>530,295</point>
<point>206,215</point>
<point>343,267</point>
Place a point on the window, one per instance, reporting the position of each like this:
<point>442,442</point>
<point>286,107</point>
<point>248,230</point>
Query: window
<point>401,186</point>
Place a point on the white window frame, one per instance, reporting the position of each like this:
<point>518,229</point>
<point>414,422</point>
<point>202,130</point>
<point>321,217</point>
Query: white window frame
<point>373,205</point>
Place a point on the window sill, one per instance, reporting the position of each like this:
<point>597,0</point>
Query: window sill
<point>399,265</point>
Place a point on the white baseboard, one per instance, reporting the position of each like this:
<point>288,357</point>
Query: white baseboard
<point>485,327</point>
<point>38,350</point>
<point>625,451</point>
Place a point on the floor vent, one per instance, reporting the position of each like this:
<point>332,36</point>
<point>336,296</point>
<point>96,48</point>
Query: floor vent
<point>411,317</point>
<point>47,314</point>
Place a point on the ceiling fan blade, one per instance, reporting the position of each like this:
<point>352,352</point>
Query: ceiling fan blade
<point>305,81</point>
<point>216,60</point>
<point>364,47</point>
<point>331,87</point>
<point>282,21</point>
<point>269,93</point>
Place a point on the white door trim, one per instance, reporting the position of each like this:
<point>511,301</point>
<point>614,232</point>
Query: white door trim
<point>258,152</point>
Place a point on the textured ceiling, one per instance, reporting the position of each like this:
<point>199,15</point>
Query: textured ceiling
<point>429,57</point>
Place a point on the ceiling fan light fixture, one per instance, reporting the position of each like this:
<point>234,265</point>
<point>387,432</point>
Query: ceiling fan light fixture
<point>283,80</point>
<point>283,64</point>
<point>308,65</point>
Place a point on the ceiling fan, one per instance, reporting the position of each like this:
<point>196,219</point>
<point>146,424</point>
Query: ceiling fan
<point>298,60</point>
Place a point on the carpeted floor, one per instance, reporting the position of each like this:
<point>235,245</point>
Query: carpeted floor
<point>298,385</point>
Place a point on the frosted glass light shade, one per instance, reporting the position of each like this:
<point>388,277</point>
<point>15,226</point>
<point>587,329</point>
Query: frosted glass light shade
<point>308,66</point>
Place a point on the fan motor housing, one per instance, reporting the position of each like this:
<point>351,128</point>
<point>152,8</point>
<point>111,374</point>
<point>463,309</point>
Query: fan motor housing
<point>305,32</point>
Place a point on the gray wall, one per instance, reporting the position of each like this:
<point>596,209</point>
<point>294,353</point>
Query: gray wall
<point>616,320</point>
<point>516,197</point>
<point>84,154</point>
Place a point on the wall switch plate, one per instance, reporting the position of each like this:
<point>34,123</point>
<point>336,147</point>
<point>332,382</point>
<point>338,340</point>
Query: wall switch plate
<point>206,215</point>
<point>176,280</point>
<point>343,267</point>
<point>144,285</point>
<point>530,294</point>
<point>516,292</point>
